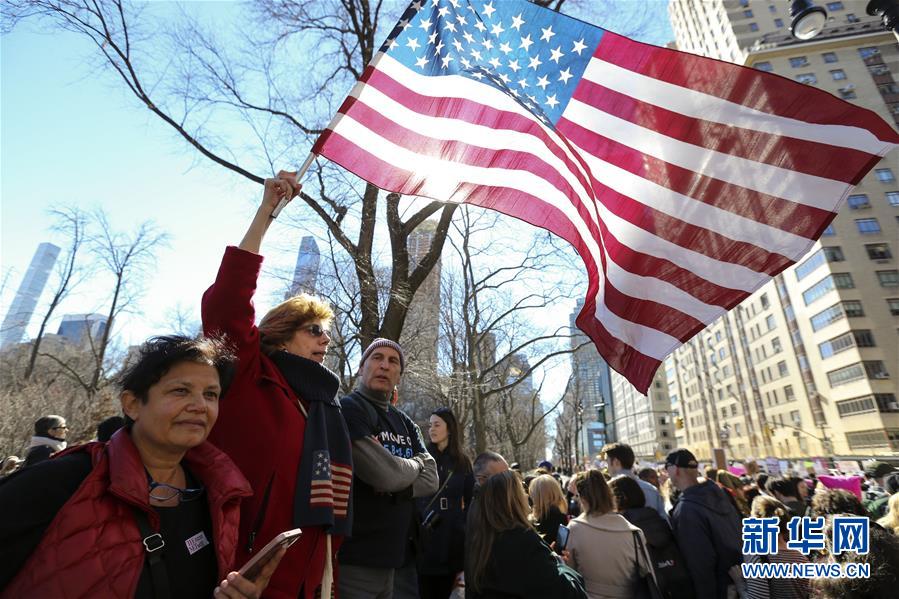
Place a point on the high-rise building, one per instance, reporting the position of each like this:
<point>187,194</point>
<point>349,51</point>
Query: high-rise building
<point>82,329</point>
<point>589,387</point>
<point>809,364</point>
<point>645,422</point>
<point>23,305</point>
<point>305,274</point>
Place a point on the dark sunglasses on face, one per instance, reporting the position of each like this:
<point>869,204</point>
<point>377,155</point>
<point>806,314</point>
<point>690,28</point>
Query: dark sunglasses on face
<point>316,330</point>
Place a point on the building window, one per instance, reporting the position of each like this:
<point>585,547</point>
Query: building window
<point>789,394</point>
<point>892,198</point>
<point>836,345</point>
<point>763,66</point>
<point>844,375</point>
<point>853,308</point>
<point>875,369</point>
<point>776,347</point>
<point>888,88</point>
<point>841,280</point>
<point>867,226</point>
<point>868,52</point>
<point>893,305</point>
<point>800,61</point>
<point>753,27</point>
<point>828,231</point>
<point>830,57</point>
<point>782,369</point>
<point>772,9</point>
<point>807,78</point>
<point>832,6</point>
<point>779,23</point>
<point>747,13</point>
<point>847,93</point>
<point>878,251</point>
<point>878,69</point>
<point>838,74</point>
<point>884,175</point>
<point>864,338</point>
<point>858,200</point>
<point>829,254</point>
<point>874,438</point>
<point>764,301</point>
<point>888,278</point>
<point>858,405</point>
<point>851,18</point>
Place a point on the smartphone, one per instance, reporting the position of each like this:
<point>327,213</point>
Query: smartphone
<point>562,538</point>
<point>252,568</point>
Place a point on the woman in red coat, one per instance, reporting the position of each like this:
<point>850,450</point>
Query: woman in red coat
<point>282,423</point>
<point>92,521</point>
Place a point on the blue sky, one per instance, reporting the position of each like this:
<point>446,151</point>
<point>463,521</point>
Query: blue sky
<point>71,135</point>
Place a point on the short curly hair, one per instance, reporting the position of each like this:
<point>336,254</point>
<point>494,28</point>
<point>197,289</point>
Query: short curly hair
<point>837,501</point>
<point>280,324</point>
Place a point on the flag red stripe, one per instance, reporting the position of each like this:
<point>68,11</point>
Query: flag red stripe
<point>812,158</point>
<point>799,219</point>
<point>675,230</point>
<point>765,92</point>
<point>528,208</point>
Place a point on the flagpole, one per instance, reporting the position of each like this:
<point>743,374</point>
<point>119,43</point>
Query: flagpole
<point>300,174</point>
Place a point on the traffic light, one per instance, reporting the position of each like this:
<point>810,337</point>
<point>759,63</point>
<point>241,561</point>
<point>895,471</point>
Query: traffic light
<point>768,430</point>
<point>679,422</point>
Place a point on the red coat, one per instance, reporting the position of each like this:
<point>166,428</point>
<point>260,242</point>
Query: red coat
<point>260,426</point>
<point>93,548</point>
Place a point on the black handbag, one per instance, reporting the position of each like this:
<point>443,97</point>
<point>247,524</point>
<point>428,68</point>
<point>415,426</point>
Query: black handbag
<point>647,588</point>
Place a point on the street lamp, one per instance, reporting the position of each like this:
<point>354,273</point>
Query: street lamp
<point>808,19</point>
<point>888,11</point>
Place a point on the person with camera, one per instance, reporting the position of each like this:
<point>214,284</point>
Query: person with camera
<point>441,560</point>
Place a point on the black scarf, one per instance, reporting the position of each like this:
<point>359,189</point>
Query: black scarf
<point>327,461</point>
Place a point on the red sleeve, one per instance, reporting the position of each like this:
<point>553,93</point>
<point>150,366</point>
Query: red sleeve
<point>227,306</point>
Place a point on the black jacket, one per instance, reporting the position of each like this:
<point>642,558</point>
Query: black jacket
<point>522,566</point>
<point>708,527</point>
<point>444,539</point>
<point>548,526</point>
<point>668,561</point>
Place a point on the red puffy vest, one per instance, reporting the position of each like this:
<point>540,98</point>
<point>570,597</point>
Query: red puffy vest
<point>93,547</point>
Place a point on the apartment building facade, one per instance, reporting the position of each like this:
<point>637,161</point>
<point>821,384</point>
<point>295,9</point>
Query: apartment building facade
<point>809,364</point>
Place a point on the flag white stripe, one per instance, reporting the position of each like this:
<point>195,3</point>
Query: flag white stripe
<point>439,184</point>
<point>442,178</point>
<point>699,105</point>
<point>687,209</point>
<point>642,190</point>
<point>765,178</point>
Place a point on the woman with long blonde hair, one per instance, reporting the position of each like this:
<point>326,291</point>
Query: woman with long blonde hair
<point>891,520</point>
<point>548,507</point>
<point>504,556</point>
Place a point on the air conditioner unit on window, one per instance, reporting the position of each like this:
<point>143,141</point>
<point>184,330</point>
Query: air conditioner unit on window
<point>881,375</point>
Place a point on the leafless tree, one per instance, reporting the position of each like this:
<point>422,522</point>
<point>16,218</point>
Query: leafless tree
<point>493,346</point>
<point>71,223</point>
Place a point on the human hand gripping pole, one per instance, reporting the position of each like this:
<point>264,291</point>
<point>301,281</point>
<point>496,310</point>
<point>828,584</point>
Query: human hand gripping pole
<point>297,176</point>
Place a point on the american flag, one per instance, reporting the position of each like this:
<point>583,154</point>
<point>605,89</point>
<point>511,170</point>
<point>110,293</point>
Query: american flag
<point>330,483</point>
<point>684,183</point>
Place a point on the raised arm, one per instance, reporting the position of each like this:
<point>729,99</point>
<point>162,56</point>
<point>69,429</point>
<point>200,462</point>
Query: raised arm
<point>283,186</point>
<point>227,306</point>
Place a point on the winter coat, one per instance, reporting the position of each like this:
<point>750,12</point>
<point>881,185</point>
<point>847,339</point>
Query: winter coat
<point>603,550</point>
<point>707,526</point>
<point>667,559</point>
<point>261,427</point>
<point>92,547</point>
<point>522,566</point>
<point>443,549</point>
<point>548,526</point>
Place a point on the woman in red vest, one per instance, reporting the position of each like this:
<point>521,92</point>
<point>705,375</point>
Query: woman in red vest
<point>282,423</point>
<point>152,513</point>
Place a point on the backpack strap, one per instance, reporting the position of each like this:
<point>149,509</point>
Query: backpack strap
<point>153,545</point>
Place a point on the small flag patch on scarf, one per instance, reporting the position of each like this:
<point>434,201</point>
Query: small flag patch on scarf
<point>330,483</point>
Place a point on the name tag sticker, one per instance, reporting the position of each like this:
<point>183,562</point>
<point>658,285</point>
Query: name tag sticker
<point>196,542</point>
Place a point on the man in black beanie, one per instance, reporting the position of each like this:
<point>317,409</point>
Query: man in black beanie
<point>390,466</point>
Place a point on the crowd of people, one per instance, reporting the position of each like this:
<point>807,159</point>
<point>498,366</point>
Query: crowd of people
<point>232,438</point>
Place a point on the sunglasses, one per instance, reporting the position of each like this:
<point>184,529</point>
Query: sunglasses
<point>164,492</point>
<point>56,428</point>
<point>316,330</point>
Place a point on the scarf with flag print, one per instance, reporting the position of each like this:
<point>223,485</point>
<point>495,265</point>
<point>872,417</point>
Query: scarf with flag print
<point>325,474</point>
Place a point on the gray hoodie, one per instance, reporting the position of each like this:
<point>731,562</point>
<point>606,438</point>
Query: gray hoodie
<point>707,526</point>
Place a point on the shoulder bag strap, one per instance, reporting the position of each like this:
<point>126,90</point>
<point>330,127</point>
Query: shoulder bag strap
<point>153,544</point>
<point>439,491</point>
